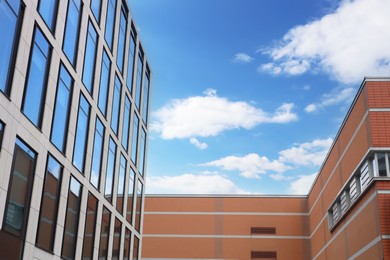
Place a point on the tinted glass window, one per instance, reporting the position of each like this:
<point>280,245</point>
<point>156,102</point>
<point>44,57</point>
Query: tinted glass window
<point>80,142</point>
<point>97,153</point>
<point>145,101</point>
<point>138,206</point>
<point>71,220</point>
<point>35,90</point>
<point>104,81</point>
<point>121,185</point>
<point>116,239</point>
<point>89,59</point>
<point>139,81</point>
<point>142,152</point>
<point>2,126</point>
<point>126,124</point>
<point>110,170</point>
<point>121,40</point>
<point>110,19</point>
<point>130,196</point>
<point>126,246</point>
<point>104,234</point>
<point>61,109</point>
<point>135,248</point>
<point>72,30</point>
<point>130,65</point>
<point>134,141</point>
<point>48,11</point>
<point>95,7</point>
<point>49,205</point>
<point>90,223</point>
<point>116,102</point>
<point>9,13</point>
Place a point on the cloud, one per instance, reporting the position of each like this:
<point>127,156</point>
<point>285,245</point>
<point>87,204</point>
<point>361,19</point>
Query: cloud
<point>249,166</point>
<point>198,144</point>
<point>347,44</point>
<point>302,185</point>
<point>242,57</point>
<point>192,184</point>
<point>335,97</point>
<point>310,153</point>
<point>209,115</point>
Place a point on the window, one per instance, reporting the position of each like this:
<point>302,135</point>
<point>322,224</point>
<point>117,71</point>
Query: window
<point>122,39</point>
<point>104,83</point>
<point>110,19</point>
<point>354,188</point>
<point>90,224</point>
<point>80,142</point>
<point>145,102</point>
<point>142,152</point>
<point>126,124</point>
<point>126,246</point>
<point>134,142</point>
<point>11,14</point>
<point>116,102</point>
<point>139,80</point>
<point>381,157</point>
<point>72,30</point>
<point>90,58</point>
<point>130,196</point>
<point>110,170</point>
<point>136,248</point>
<point>365,175</point>
<point>116,240</point>
<point>121,185</point>
<point>138,207</point>
<point>19,190</point>
<point>49,206</point>
<point>96,9</point>
<point>345,201</point>
<point>263,255</point>
<point>71,219</point>
<point>61,109</point>
<point>2,126</point>
<point>130,64</point>
<point>48,11</point>
<point>35,89</point>
<point>97,153</point>
<point>104,234</point>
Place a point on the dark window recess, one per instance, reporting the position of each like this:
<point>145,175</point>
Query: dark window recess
<point>2,126</point>
<point>104,233</point>
<point>263,255</point>
<point>90,224</point>
<point>263,230</point>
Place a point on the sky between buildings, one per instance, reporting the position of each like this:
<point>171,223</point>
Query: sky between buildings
<point>248,95</point>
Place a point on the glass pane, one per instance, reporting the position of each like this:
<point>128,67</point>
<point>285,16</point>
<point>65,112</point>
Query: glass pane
<point>138,207</point>
<point>121,184</point>
<point>36,80</point>
<point>2,126</point>
<point>97,153</point>
<point>71,219</point>
<point>90,56</point>
<point>90,223</point>
<point>48,11</point>
<point>116,101</point>
<point>126,246</point>
<point>104,81</point>
<point>134,142</point>
<point>61,109</point>
<point>110,18</point>
<point>81,134</point>
<point>121,40</point>
<point>110,171</point>
<point>145,102</point>
<point>130,65</point>
<point>136,248</point>
<point>382,164</point>
<point>139,81</point>
<point>130,196</point>
<point>126,124</point>
<point>95,7</point>
<point>49,206</point>
<point>142,152</point>
<point>104,234</point>
<point>116,239</point>
<point>72,30</point>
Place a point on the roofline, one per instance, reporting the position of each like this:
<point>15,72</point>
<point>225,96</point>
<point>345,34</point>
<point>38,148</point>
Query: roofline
<point>224,196</point>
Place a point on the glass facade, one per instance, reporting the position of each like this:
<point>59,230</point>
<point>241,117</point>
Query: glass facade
<point>127,244</point>
<point>49,206</point>
<point>104,83</point>
<point>138,84</point>
<point>97,153</point>
<point>138,206</point>
<point>130,64</point>
<point>135,248</point>
<point>90,58</point>
<point>48,11</point>
<point>116,239</point>
<point>104,234</point>
<point>96,6</point>
<point>90,224</point>
<point>2,126</point>
<point>121,39</point>
<point>10,16</point>
<point>80,143</point>
<point>72,30</point>
<point>134,141</point>
<point>142,152</point>
<point>110,171</point>
<point>61,109</point>
<point>121,185</point>
<point>145,98</point>
<point>110,23</point>
<point>126,124</point>
<point>130,197</point>
<point>35,89</point>
<point>116,103</point>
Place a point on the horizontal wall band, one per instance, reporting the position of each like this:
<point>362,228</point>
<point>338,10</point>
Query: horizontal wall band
<point>227,213</point>
<point>222,236</point>
<point>365,248</point>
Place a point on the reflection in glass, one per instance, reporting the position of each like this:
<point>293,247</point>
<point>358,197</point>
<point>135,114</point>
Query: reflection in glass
<point>121,184</point>
<point>116,102</point>
<point>126,246</point>
<point>382,164</point>
<point>138,206</point>
<point>142,152</point>
<point>145,97</point>
<point>130,64</point>
<point>81,134</point>
<point>97,153</point>
<point>95,7</point>
<point>90,223</point>
<point>136,248</point>
<point>134,142</point>
<point>104,234</point>
<point>121,40</point>
<point>49,206</point>
<point>72,29</point>
<point>110,18</point>
<point>48,11</point>
<point>139,80</point>
<point>2,126</point>
<point>110,170</point>
<point>89,59</point>
<point>61,109</point>
<point>130,196</point>
<point>116,239</point>
<point>126,124</point>
<point>71,220</point>
<point>35,90</point>
<point>104,81</point>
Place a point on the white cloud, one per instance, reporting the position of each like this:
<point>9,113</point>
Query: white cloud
<point>349,43</point>
<point>198,144</point>
<point>302,185</point>
<point>249,166</point>
<point>209,115</point>
<point>311,153</point>
<point>243,57</point>
<point>335,97</point>
<point>192,184</point>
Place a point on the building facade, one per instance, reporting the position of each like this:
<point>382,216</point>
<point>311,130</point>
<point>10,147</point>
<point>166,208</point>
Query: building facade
<point>74,94</point>
<point>344,216</point>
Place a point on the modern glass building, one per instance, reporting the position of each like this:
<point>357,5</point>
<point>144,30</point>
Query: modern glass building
<point>74,84</point>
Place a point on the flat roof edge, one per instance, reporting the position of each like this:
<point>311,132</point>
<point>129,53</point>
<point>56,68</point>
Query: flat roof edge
<point>222,196</point>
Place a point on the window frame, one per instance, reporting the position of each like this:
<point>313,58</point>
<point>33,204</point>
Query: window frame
<point>55,15</point>
<point>96,41</point>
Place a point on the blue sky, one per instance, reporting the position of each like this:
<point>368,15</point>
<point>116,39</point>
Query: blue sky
<point>248,95</point>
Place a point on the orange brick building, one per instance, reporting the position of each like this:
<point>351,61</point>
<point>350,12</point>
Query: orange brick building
<point>346,214</point>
